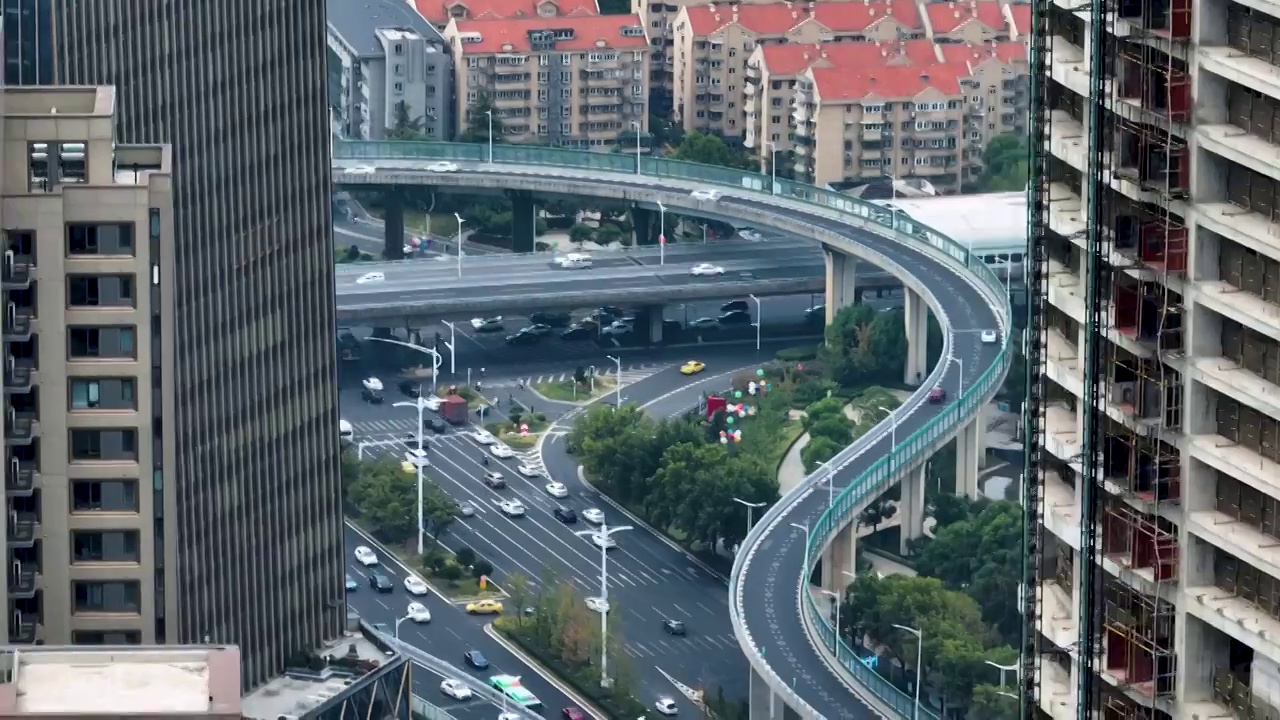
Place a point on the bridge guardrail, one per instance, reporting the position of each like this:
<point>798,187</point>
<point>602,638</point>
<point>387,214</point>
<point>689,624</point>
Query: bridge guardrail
<point>876,478</point>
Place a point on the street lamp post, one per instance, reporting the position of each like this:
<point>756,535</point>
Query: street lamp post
<point>959,380</point>
<point>490,114</point>
<point>915,715</point>
<point>458,217</point>
<point>773,168</point>
<point>636,125</point>
<point>893,429</point>
<point>604,532</point>
<point>453,356</point>
<point>805,528</point>
<point>759,320</point>
<point>617,381</point>
<point>835,636</point>
<point>662,234</point>
<point>421,404</point>
<point>396,630</point>
<point>1003,669</point>
<point>750,508</point>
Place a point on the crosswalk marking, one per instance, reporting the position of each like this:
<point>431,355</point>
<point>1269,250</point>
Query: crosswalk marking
<point>630,374</point>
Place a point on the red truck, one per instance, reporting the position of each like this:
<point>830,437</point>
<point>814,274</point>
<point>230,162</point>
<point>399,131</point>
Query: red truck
<point>454,409</point>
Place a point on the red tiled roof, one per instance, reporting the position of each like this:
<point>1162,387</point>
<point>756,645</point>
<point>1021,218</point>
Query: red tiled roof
<point>778,18</point>
<point>437,11</point>
<point>948,17</point>
<point>1021,18</point>
<point>836,84</point>
<point>496,34</point>
<point>792,59</point>
<point>1010,51</point>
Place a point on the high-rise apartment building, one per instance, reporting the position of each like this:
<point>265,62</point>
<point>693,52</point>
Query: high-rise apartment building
<point>28,31</point>
<point>579,82</point>
<point>386,65</point>
<point>1159,402</point>
<point>88,325</point>
<point>244,460</point>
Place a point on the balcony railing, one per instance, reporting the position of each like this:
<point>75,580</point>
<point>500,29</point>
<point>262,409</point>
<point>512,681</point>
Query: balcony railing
<point>22,529</point>
<point>20,427</point>
<point>22,630</point>
<point>20,480</point>
<point>22,582</point>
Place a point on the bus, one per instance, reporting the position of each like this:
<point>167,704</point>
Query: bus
<point>510,686</point>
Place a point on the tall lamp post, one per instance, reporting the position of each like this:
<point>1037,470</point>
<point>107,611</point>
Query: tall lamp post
<point>773,167</point>
<point>751,507</point>
<point>805,528</point>
<point>490,114</point>
<point>959,380</point>
<point>1003,669</point>
<point>617,381</point>
<point>458,217</point>
<point>396,630</point>
<point>604,533</point>
<point>453,356</point>
<point>893,429</point>
<point>759,320</point>
<point>915,714</point>
<point>662,234</point>
<point>835,636</point>
<point>636,125</point>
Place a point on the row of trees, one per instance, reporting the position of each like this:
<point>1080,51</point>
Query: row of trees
<point>864,346</point>
<point>383,495</point>
<point>831,429</point>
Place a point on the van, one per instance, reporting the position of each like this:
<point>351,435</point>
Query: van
<point>345,431</point>
<point>575,261</point>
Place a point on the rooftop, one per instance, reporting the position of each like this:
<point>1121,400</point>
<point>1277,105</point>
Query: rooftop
<point>778,18</point>
<point>793,59</point>
<point>439,11</point>
<point>951,16</point>
<point>293,694</point>
<point>122,681</point>
<point>356,22</point>
<point>985,222</point>
<point>837,84</point>
<point>615,32</point>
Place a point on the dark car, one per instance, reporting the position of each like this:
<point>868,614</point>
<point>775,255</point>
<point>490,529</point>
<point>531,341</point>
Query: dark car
<point>435,425</point>
<point>735,317</point>
<point>552,319</point>
<point>381,583</point>
<point>522,338</point>
<point>495,480</point>
<point>538,329</point>
<point>578,332</point>
<point>674,627</point>
<point>410,388</point>
<point>573,713</point>
<point>352,585</point>
<point>372,396</point>
<point>937,395</point>
<point>569,447</point>
<point>672,326</point>
<point>476,659</point>
<point>733,305</point>
<point>565,515</point>
<point>816,313</point>
<point>612,310</point>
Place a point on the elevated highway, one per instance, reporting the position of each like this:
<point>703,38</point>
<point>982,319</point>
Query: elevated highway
<point>786,636</point>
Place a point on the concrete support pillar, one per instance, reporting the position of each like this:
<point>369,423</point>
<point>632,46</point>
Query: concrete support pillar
<point>912,507</point>
<point>764,703</point>
<point>969,452</point>
<point>840,557</point>
<point>916,318</point>
<point>524,222</point>
<point>644,226</point>
<point>842,281</point>
<point>655,313</point>
<point>393,226</point>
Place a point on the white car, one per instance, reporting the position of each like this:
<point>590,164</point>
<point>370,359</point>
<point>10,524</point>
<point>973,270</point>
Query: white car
<point>417,458</point>
<point>710,195</point>
<point>593,516</point>
<point>666,706</point>
<point>706,269</point>
<point>510,716</point>
<point>477,323</point>
<point>366,557</point>
<point>484,437</point>
<point>415,586</point>
<point>512,508</point>
<point>442,166</point>
<point>361,170</point>
<point>370,277</point>
<point>500,451</point>
<point>373,384</point>
<point>595,604</point>
<point>418,613</point>
<point>528,470</point>
<point>455,689</point>
<point>557,490</point>
<point>431,402</point>
<point>704,323</point>
<point>601,540</point>
<point>749,234</point>
<point>989,337</point>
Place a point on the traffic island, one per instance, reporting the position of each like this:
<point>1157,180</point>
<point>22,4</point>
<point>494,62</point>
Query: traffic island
<point>572,391</point>
<point>441,569</point>
<point>520,430</point>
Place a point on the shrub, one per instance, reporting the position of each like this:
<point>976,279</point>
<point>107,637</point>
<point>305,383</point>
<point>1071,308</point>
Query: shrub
<point>514,416</point>
<point>450,571</point>
<point>540,246</point>
<point>540,417</point>
<point>797,354</point>
<point>481,567</point>
<point>466,557</point>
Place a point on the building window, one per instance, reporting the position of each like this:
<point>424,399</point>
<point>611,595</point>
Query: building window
<point>92,444</point>
<point>106,239</point>
<point>112,546</point>
<point>104,496</point>
<point>101,342</point>
<point>106,637</point>
<point>101,291</point>
<point>106,596</point>
<point>103,394</point>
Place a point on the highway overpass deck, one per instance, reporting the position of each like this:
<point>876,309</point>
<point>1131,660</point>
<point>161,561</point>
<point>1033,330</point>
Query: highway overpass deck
<point>777,625</point>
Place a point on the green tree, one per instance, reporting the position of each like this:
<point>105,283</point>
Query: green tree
<point>438,509</point>
<point>477,127</point>
<point>711,150</point>
<point>824,409</point>
<point>817,451</point>
<point>581,233</point>
<point>384,496</point>
<point>403,125</point>
<point>1005,165</point>
<point>863,345</point>
<point>992,703</point>
<point>610,233</point>
<point>877,512</point>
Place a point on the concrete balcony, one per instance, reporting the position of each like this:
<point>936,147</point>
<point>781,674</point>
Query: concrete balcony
<point>1057,692</point>
<point>1235,617</point>
<point>749,89</point>
<point>1066,213</point>
<point>1071,67</point>
<point>1062,363</point>
<point>1068,141</point>
<point>1247,309</point>
<point>1237,461</point>
<point>22,582</point>
<point>1241,226</point>
<point>1236,538</point>
<point>1241,148</point>
<point>22,530</point>
<point>1072,6</point>
<point>1238,67</point>
<point>1057,616</point>
<point>1062,510</point>
<point>1229,378</point>
<point>20,480</point>
<point>1066,291</point>
<point>1062,433</point>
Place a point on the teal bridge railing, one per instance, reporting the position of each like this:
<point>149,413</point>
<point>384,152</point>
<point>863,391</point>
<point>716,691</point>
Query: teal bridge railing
<point>874,480</point>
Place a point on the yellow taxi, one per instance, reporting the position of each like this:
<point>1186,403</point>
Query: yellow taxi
<point>484,607</point>
<point>408,468</point>
<point>693,367</point>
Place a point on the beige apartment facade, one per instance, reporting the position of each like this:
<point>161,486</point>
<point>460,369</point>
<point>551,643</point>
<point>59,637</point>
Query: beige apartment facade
<point>88,254</point>
<point>580,82</point>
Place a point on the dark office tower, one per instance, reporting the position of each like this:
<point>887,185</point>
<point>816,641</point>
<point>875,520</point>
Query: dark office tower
<point>28,41</point>
<point>238,88</point>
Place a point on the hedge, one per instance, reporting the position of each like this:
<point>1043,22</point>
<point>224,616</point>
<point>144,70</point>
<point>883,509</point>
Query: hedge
<point>797,354</point>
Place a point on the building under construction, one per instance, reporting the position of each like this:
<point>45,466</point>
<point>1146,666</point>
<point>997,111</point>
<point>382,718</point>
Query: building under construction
<point>1153,498</point>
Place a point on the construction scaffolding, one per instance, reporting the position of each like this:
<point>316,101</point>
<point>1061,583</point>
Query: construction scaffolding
<point>1139,641</point>
<point>1142,468</point>
<point>1236,693</point>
